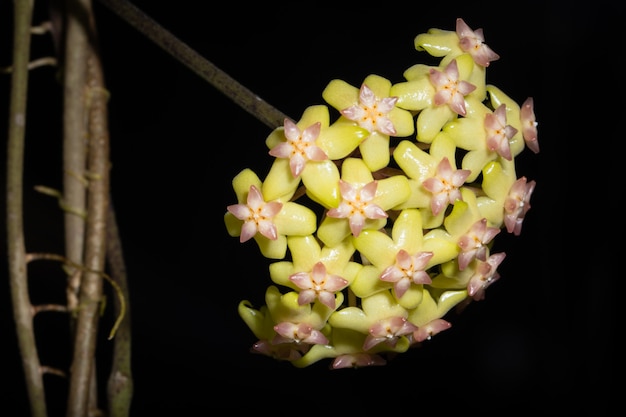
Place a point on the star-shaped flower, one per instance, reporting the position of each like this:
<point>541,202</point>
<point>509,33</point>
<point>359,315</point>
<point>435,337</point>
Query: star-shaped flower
<point>517,204</point>
<point>474,243</point>
<point>315,271</point>
<point>364,202</point>
<point>485,134</point>
<point>522,119</point>
<point>288,332</point>
<point>437,93</point>
<point>300,146</point>
<point>473,42</point>
<point>283,321</point>
<point>346,348</point>
<point>257,215</point>
<point>357,205</point>
<point>485,274</point>
<point>507,198</point>
<point>429,330</point>
<point>358,360</point>
<point>449,89</point>
<point>450,45</point>
<point>419,165</point>
<point>267,222</point>
<point>305,152</point>
<point>381,319</point>
<point>389,331</point>
<point>318,284</point>
<point>373,108</point>
<point>399,260</point>
<point>408,269</point>
<point>529,124</point>
<point>445,185</point>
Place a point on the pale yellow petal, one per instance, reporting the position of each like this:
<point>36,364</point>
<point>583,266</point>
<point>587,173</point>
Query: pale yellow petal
<point>305,252</point>
<point>356,172</point>
<point>375,151</point>
<point>441,244</point>
<point>280,273</point>
<point>475,161</point>
<point>419,197</point>
<point>407,231</point>
<point>313,114</point>
<point>431,120</point>
<point>350,318</point>
<point>417,71</point>
<point>336,258</point>
<point>340,139</point>
<point>295,219</point>
<point>243,181</point>
<point>259,321</point>
<point>438,42</point>
<point>416,163</point>
<point>279,184</point>
<point>429,309</point>
<point>340,94</point>
<point>272,249</point>
<point>402,121</point>
<point>377,247</point>
<point>463,215</point>
<point>321,179</point>
<point>412,297</point>
<point>415,95</point>
<point>392,191</point>
<point>380,86</point>
<point>233,224</point>
<point>368,282</point>
<point>382,305</point>
<point>333,230</point>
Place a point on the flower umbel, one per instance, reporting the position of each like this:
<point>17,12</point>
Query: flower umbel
<point>391,235</point>
<point>257,215</point>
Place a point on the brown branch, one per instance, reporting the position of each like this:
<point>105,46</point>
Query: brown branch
<point>120,384</point>
<point>18,275</point>
<point>91,288</point>
<point>74,140</point>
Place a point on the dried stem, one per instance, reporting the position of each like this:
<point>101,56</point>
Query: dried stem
<point>120,384</point>
<point>18,275</point>
<point>74,139</point>
<point>91,287</point>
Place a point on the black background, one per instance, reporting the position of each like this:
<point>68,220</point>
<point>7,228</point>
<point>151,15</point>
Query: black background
<point>542,339</point>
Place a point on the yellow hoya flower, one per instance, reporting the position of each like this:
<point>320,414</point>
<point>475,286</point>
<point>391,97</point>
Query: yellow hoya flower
<point>435,182</point>
<point>316,272</point>
<point>364,202</point>
<point>372,107</point>
<point>438,94</point>
<point>267,222</point>
<point>306,150</point>
<point>400,261</point>
<point>381,318</point>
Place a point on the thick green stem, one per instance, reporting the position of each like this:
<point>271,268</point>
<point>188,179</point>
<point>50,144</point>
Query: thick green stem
<point>18,275</point>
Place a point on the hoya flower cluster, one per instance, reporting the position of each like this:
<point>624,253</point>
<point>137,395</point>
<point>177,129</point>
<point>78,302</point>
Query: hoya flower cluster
<point>381,219</point>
